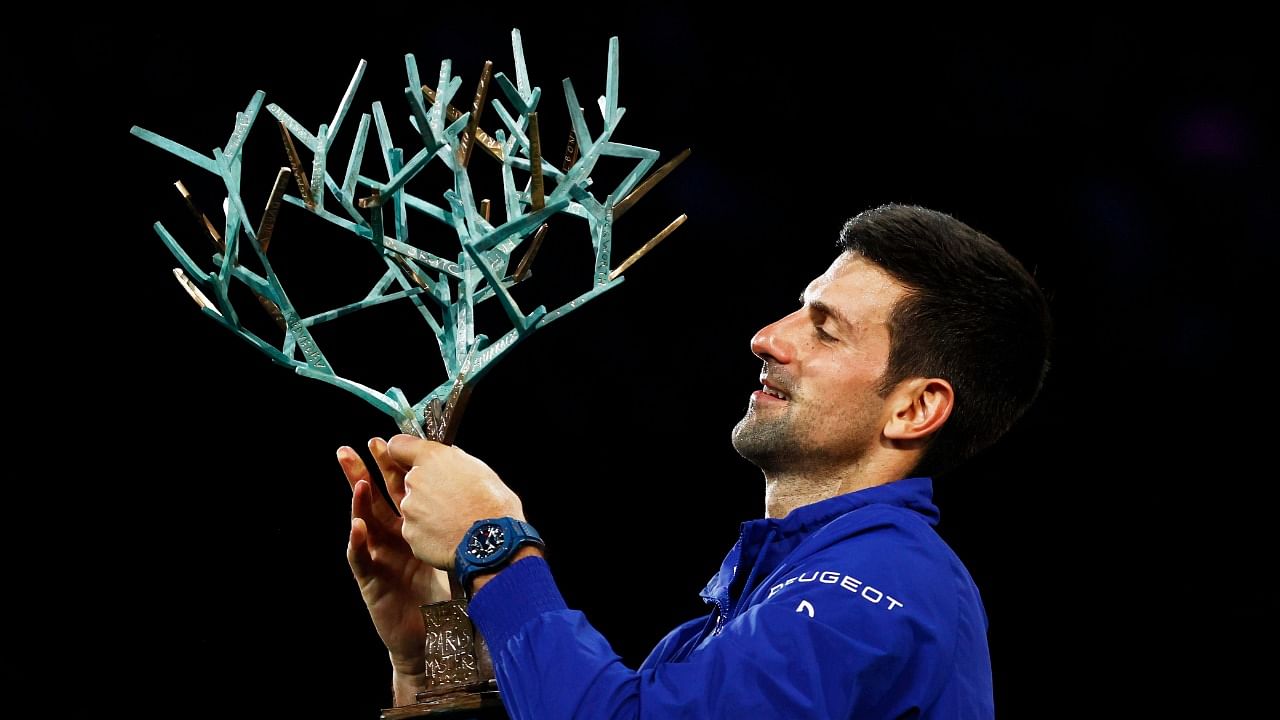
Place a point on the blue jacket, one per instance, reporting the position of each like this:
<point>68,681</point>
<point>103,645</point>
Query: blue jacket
<point>851,607</point>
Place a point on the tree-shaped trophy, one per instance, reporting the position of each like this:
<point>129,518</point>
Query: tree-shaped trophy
<point>446,292</point>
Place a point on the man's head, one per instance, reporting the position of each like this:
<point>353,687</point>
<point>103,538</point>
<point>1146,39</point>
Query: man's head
<point>924,340</point>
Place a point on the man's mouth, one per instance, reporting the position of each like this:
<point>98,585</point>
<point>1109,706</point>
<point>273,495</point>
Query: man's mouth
<point>773,393</point>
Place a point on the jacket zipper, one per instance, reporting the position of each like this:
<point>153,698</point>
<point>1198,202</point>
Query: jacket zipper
<point>722,611</point>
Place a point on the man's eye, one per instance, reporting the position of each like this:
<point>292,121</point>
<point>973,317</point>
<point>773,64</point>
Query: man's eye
<point>822,334</point>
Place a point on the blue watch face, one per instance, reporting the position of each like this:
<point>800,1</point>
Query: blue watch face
<point>485,541</point>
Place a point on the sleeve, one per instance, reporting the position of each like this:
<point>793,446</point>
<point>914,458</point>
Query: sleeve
<point>811,649</point>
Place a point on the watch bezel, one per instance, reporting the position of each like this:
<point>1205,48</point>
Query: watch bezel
<point>496,555</point>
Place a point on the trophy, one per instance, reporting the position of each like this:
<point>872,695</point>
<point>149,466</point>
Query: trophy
<point>445,292</point>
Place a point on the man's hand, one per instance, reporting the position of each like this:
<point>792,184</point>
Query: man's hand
<point>392,581</point>
<point>445,492</point>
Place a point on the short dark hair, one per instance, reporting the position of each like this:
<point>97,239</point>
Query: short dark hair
<point>973,316</point>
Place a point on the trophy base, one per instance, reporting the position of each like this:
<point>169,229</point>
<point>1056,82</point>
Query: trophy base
<point>480,704</point>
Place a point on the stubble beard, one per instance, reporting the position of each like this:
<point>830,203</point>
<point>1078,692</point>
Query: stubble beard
<point>772,444</point>
<point>782,441</point>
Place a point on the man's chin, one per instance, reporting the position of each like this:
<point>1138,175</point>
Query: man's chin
<point>757,442</point>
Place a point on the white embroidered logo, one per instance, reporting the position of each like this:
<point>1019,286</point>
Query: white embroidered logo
<point>848,582</point>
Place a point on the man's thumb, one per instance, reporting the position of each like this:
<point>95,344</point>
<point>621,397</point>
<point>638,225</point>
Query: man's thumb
<point>407,449</point>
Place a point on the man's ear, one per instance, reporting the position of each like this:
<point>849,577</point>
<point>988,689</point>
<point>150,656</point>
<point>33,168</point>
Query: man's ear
<point>919,407</point>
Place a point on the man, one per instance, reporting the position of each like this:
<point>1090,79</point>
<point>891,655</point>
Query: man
<point>920,345</point>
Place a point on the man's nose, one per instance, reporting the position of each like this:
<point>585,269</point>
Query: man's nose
<point>772,343</point>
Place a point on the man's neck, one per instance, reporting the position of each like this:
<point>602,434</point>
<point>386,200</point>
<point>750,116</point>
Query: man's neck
<point>786,491</point>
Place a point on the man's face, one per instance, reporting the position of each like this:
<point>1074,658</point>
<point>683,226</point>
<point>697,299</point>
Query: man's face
<point>826,360</point>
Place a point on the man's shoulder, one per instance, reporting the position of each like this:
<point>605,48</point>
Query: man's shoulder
<point>878,571</point>
<point>886,541</point>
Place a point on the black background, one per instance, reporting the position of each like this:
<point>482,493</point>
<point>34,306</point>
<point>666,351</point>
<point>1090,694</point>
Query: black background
<point>1117,533</point>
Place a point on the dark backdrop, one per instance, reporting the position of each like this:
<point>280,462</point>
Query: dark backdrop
<point>1116,533</point>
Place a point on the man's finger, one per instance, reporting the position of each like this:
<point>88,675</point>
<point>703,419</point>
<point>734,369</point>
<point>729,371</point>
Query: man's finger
<point>355,470</point>
<point>409,451</point>
<point>358,550</point>
<point>362,508</point>
<point>352,466</point>
<point>391,471</point>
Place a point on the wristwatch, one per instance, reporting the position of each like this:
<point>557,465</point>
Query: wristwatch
<point>489,545</point>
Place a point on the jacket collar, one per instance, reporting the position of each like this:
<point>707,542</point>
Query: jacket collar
<point>914,493</point>
<point>765,542</point>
